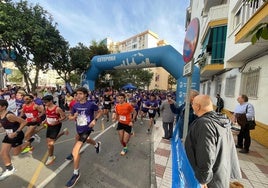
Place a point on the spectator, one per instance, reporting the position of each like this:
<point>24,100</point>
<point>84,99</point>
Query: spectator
<point>210,146</point>
<point>168,118</point>
<point>244,111</point>
<point>220,104</point>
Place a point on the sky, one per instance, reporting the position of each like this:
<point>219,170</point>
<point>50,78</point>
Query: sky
<point>87,20</point>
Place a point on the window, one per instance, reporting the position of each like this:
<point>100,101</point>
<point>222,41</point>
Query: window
<point>237,18</point>
<point>203,88</point>
<point>208,88</point>
<point>250,83</point>
<point>230,86</point>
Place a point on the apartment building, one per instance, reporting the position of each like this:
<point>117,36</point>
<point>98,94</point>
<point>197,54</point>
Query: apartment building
<point>229,63</point>
<point>146,39</point>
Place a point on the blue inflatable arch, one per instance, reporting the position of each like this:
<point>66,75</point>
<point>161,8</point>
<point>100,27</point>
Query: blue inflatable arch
<point>165,56</point>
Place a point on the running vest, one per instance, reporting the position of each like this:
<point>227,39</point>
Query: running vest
<point>52,116</point>
<point>30,112</point>
<point>124,112</point>
<point>9,127</point>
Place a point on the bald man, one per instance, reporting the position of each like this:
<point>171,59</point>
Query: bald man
<point>210,147</point>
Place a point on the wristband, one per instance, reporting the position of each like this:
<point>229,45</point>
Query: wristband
<point>96,119</point>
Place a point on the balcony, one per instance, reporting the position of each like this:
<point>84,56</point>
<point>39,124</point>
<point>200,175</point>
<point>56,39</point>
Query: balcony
<point>251,15</point>
<point>208,66</point>
<point>217,16</point>
<point>208,4</point>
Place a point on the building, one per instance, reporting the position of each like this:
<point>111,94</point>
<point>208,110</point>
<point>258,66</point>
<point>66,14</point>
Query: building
<point>229,63</point>
<point>146,39</point>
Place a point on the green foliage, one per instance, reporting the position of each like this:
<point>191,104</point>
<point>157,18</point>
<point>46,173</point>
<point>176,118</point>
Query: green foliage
<point>171,82</point>
<point>138,77</point>
<point>15,77</point>
<point>260,31</point>
<point>30,31</point>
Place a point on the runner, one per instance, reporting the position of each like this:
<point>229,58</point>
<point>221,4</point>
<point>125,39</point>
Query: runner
<point>124,112</point>
<point>152,106</point>
<point>107,103</point>
<point>54,117</point>
<point>83,113</point>
<point>13,140</point>
<point>33,113</point>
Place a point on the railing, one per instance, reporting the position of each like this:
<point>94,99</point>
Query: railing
<point>248,9</point>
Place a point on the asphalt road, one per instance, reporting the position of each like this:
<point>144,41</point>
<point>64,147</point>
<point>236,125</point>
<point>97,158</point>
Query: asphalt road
<point>108,169</point>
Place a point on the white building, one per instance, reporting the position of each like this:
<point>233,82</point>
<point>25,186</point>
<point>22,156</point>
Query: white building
<point>229,63</point>
<point>146,39</point>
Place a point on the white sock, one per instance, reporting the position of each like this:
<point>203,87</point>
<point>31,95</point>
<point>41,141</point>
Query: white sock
<point>76,171</point>
<point>96,145</point>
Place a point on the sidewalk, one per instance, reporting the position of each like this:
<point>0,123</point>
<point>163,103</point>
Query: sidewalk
<point>254,165</point>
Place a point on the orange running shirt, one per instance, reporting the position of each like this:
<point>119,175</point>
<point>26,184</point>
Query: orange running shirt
<point>124,112</point>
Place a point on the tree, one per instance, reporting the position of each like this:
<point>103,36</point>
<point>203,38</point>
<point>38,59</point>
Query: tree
<point>74,62</point>
<point>31,32</point>
<point>141,78</point>
<point>171,81</point>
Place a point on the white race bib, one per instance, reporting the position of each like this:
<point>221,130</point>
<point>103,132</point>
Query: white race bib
<point>51,120</point>
<point>151,111</point>
<point>9,131</point>
<point>81,120</point>
<point>122,118</point>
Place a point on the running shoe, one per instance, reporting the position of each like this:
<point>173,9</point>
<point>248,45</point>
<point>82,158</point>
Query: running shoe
<point>7,173</point>
<point>98,148</point>
<point>124,151</point>
<point>36,138</point>
<point>73,180</point>
<point>69,157</point>
<point>66,131</point>
<point>27,149</point>
<point>148,131</point>
<point>50,160</point>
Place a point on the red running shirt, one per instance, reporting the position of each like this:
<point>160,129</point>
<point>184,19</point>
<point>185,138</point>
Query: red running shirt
<point>52,116</point>
<point>124,112</point>
<point>30,112</point>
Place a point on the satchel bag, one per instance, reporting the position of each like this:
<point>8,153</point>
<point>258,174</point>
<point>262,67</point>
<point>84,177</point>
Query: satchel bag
<point>250,123</point>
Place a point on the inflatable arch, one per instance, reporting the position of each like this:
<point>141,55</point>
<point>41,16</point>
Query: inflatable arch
<point>165,56</point>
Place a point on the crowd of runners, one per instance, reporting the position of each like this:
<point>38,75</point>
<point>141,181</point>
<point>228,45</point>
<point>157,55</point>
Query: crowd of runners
<point>23,115</point>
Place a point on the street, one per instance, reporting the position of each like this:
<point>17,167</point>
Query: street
<point>106,169</point>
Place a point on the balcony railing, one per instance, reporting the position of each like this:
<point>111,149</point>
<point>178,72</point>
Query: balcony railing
<point>248,9</point>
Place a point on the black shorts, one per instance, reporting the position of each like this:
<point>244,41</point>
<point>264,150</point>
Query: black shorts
<point>36,123</point>
<point>126,128</point>
<point>151,115</point>
<point>53,131</point>
<point>15,142</point>
<point>107,106</point>
<point>83,136</point>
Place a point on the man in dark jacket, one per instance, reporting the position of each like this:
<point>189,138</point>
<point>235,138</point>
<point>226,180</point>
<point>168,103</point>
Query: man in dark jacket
<point>210,146</point>
<point>220,103</point>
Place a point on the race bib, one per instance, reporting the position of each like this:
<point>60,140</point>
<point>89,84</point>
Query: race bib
<point>81,120</point>
<point>151,111</point>
<point>51,120</point>
<point>122,118</point>
<point>106,102</point>
<point>9,131</point>
<point>29,115</point>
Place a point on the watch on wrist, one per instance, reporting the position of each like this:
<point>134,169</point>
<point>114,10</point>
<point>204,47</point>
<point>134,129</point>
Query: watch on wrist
<point>96,119</point>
